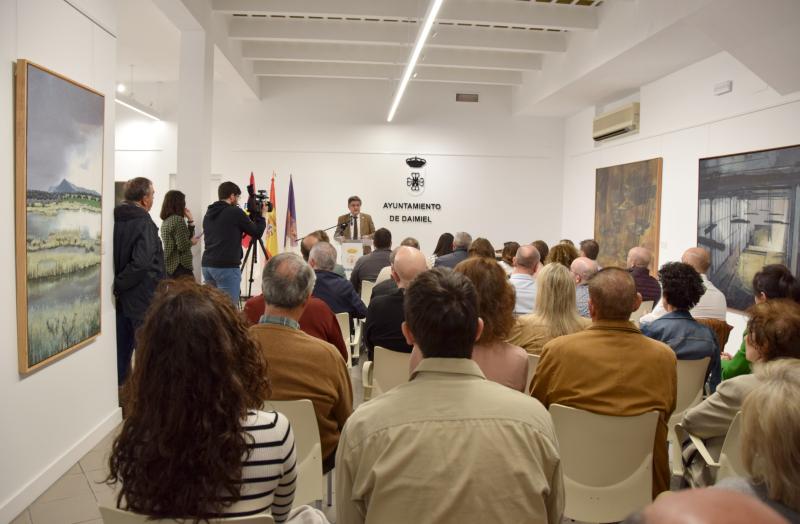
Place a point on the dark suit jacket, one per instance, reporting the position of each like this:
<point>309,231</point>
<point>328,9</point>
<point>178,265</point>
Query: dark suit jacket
<point>338,293</point>
<point>451,260</point>
<point>382,327</point>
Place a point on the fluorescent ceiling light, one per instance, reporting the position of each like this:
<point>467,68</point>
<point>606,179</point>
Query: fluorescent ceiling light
<point>133,105</point>
<point>433,10</point>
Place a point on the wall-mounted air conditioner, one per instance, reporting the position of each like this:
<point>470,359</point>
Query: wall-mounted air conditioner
<point>622,121</point>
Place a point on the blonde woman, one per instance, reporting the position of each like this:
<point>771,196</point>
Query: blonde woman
<point>555,313</point>
<point>770,433</point>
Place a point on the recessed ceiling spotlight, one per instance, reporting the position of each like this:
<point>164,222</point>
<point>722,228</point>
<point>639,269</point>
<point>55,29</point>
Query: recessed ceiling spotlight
<point>414,75</point>
<point>121,88</point>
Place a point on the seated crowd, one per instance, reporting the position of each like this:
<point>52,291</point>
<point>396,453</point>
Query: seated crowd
<point>466,439</point>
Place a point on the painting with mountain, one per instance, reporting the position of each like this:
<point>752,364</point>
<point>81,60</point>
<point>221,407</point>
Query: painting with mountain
<point>59,169</point>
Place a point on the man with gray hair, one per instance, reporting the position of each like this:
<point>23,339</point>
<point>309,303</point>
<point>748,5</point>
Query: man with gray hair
<point>301,366</point>
<point>582,269</point>
<point>523,278</point>
<point>333,289</point>
<point>461,242</point>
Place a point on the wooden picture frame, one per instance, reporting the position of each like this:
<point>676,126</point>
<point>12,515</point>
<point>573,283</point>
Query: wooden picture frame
<point>748,216</point>
<point>59,142</point>
<point>627,211</point>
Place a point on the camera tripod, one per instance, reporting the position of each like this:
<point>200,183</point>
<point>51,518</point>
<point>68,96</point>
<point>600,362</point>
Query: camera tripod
<point>252,254</point>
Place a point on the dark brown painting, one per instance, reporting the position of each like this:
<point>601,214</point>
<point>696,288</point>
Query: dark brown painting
<point>627,210</point>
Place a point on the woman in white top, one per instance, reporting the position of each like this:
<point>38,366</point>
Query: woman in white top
<point>194,444</point>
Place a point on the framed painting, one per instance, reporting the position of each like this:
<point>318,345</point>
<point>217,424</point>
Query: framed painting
<point>627,211</point>
<point>59,178</point>
<point>748,216</point>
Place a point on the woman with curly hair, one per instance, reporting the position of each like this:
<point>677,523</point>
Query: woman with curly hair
<point>681,289</point>
<point>773,281</point>
<point>563,254</point>
<point>507,256</point>
<point>177,234</point>
<point>194,443</point>
<point>481,247</point>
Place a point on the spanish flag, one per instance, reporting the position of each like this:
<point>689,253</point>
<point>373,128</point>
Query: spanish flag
<point>272,222</point>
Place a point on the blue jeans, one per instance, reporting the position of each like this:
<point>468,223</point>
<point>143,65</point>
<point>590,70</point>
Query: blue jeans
<point>226,279</point>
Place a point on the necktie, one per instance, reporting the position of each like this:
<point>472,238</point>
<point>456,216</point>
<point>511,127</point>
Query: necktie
<point>355,227</point>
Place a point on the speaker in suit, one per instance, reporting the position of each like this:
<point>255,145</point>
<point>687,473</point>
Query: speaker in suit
<point>365,227</point>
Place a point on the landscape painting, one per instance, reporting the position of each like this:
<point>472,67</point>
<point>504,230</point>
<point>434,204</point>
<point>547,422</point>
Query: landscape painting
<point>59,174</point>
<point>748,217</point>
<point>627,211</point>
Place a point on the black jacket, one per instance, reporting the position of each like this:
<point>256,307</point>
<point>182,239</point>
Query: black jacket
<point>223,227</point>
<point>138,259</point>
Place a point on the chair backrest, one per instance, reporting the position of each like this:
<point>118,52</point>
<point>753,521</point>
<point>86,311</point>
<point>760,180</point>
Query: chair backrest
<point>366,291</point>
<point>119,516</point>
<point>730,457</point>
<point>385,274</point>
<point>721,329</point>
<point>533,361</point>
<point>607,462</point>
<point>303,420</point>
<point>644,308</point>
<point>691,377</point>
<point>344,325</point>
<point>390,369</point>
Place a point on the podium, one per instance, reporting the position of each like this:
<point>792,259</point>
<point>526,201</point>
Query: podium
<point>351,251</point>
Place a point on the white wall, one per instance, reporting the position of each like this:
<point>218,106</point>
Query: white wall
<point>681,121</point>
<point>51,418</point>
<point>494,174</point>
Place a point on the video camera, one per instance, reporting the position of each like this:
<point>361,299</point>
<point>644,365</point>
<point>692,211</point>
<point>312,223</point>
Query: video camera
<point>257,201</point>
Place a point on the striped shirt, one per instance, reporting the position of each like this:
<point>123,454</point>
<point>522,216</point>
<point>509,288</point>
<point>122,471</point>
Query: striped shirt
<point>269,473</point>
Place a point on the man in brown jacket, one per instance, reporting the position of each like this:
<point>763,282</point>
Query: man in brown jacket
<point>301,366</point>
<point>610,368</point>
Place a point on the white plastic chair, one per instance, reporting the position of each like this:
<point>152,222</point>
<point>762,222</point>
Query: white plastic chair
<point>730,456</point>
<point>119,516</point>
<point>533,361</point>
<point>385,274</point>
<point>389,369</point>
<point>691,377</point>
<point>303,420</point>
<point>352,342</point>
<point>607,462</point>
<point>644,308</point>
<point>366,291</point>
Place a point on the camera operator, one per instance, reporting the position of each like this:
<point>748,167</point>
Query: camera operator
<point>223,227</point>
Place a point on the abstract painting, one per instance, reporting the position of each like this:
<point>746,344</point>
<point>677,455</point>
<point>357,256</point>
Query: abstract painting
<point>748,217</point>
<point>59,176</point>
<point>627,211</point>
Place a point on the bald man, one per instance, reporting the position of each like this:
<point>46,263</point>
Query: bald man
<point>385,313</point>
<point>523,277</point>
<point>610,368</point>
<point>582,269</point>
<point>712,304</point>
<point>639,259</point>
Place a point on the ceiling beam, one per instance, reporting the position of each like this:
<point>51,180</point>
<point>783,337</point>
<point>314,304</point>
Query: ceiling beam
<point>387,33</point>
<point>521,14</point>
<point>377,54</point>
<point>384,72</point>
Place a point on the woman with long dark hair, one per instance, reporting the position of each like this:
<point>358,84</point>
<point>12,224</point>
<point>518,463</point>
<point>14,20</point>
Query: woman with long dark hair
<point>177,234</point>
<point>194,443</point>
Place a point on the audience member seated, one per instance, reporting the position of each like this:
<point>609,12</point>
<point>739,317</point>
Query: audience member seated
<point>769,439</point>
<point>589,248</point>
<point>302,366</point>
<point>773,332</point>
<point>555,315</point>
<point>544,251</point>
<point>481,247</point>
<point>638,264</point>
<point>194,443</point>
<point>567,242</point>
<point>773,281</point>
<point>563,254</point>
<point>449,445</point>
<point>310,241</point>
<point>610,368</point>
<point>681,288</point>
<point>461,243</point>
<point>712,303</point>
<point>444,246</point>
<point>317,320</point>
<point>334,290</point>
<point>523,277</point>
<point>507,256</point>
<point>705,506</point>
<point>385,312</point>
<point>368,266</point>
<point>582,269</point>
<point>386,273</point>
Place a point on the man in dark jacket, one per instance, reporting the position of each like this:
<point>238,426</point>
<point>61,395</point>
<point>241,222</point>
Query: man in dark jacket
<point>138,266</point>
<point>223,226</point>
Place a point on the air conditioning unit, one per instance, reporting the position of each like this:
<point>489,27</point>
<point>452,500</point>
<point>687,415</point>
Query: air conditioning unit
<point>622,121</point>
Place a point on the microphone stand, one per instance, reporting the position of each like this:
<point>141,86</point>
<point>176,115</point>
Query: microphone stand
<point>343,225</point>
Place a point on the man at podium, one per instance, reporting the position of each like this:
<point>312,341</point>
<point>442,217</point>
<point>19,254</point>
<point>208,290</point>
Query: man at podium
<point>355,225</point>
